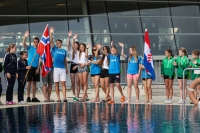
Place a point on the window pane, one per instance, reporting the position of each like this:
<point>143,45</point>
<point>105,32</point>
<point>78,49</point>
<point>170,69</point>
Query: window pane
<point>45,7</point>
<point>97,8</point>
<point>77,8</point>
<point>186,25</point>
<point>122,8</point>
<point>13,7</point>
<point>12,31</point>
<point>79,24</point>
<point>153,9</point>
<point>186,9</point>
<point>189,42</point>
<point>157,25</point>
<point>100,25</point>
<point>159,43</point>
<point>124,25</point>
<point>37,26</point>
<point>102,39</point>
<point>128,42</point>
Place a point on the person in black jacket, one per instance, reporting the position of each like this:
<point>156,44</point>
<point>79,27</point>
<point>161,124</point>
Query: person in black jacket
<point>10,71</point>
<point>0,84</point>
<point>22,66</point>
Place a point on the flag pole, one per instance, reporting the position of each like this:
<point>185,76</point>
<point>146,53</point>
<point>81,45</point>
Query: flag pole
<point>146,91</point>
<point>29,69</point>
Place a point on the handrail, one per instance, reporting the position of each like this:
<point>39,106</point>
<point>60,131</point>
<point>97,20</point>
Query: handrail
<point>183,94</point>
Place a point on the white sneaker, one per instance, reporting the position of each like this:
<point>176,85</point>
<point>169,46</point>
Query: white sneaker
<point>180,101</point>
<point>166,101</point>
<point>22,102</point>
<point>170,101</point>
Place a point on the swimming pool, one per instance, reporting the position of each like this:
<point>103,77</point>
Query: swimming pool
<point>99,118</point>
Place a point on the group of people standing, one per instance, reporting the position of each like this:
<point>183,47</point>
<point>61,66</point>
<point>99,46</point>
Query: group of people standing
<point>104,69</point>
<point>103,65</point>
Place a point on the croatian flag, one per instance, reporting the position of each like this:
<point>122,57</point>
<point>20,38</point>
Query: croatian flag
<point>148,60</point>
<point>44,51</point>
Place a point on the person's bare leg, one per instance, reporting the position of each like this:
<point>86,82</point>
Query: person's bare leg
<point>145,90</point>
<point>137,91</point>
<point>106,80</point>
<point>29,88</point>
<point>45,92</point>
<point>180,82</point>
<point>57,90</point>
<point>49,91</point>
<point>34,89</point>
<point>102,82</point>
<point>77,85</point>
<point>63,89</point>
<point>167,88</point>
<point>112,91</point>
<point>149,82</point>
<point>72,76</point>
<point>129,89</point>
<point>171,88</point>
<point>85,86</point>
<point>96,80</point>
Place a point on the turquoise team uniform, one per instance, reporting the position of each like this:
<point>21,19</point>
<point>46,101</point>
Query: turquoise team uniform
<point>133,66</point>
<point>95,69</point>
<point>114,65</point>
<point>31,52</point>
<point>59,56</point>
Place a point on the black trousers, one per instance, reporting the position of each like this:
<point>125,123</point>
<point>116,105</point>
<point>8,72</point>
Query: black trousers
<point>10,86</point>
<point>21,90</point>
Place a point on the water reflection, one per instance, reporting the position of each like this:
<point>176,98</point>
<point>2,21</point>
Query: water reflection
<point>98,118</point>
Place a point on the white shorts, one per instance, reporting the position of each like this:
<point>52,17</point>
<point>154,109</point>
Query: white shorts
<point>59,74</point>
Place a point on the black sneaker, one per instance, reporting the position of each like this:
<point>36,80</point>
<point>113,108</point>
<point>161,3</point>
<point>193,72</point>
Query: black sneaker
<point>35,100</point>
<point>28,100</point>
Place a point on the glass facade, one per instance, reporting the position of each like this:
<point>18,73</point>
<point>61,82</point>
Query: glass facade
<point>171,24</point>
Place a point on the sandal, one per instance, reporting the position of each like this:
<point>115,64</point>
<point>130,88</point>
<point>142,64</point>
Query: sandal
<point>122,99</point>
<point>127,102</point>
<point>59,101</point>
<point>103,101</point>
<point>86,99</point>
<point>81,100</point>
<point>65,100</point>
<point>51,100</point>
<point>136,101</point>
<point>46,100</point>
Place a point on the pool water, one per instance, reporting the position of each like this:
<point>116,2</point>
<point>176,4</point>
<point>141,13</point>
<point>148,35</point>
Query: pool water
<point>99,118</point>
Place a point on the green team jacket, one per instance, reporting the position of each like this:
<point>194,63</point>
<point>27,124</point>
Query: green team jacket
<point>182,63</point>
<point>167,67</point>
<point>195,64</point>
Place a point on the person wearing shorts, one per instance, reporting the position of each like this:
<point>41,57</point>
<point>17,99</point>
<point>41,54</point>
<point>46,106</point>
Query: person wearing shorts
<point>114,73</point>
<point>47,86</point>
<point>133,71</point>
<point>33,61</point>
<point>167,72</point>
<point>60,66</point>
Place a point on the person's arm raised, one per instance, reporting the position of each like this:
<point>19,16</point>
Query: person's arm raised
<point>26,34</point>
<point>122,51</point>
<point>86,51</point>
<point>51,36</point>
<point>73,41</point>
<point>68,40</point>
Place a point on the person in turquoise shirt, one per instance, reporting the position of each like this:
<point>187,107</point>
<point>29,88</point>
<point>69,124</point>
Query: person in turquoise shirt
<point>182,63</point>
<point>133,71</point>
<point>33,62</point>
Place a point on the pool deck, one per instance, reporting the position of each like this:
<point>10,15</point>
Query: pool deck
<point>158,100</point>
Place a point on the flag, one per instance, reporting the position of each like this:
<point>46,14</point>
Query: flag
<point>44,51</point>
<point>148,60</point>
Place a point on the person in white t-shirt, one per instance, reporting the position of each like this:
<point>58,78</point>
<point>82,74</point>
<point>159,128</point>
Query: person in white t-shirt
<point>73,52</point>
<point>83,68</point>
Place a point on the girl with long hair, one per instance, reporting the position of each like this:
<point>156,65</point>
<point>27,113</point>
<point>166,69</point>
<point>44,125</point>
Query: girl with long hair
<point>167,72</point>
<point>83,69</point>
<point>114,73</point>
<point>133,71</point>
<point>181,63</point>
<point>73,52</point>
<point>10,70</point>
<point>95,71</point>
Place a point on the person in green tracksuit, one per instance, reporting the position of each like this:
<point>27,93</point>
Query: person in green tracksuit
<point>181,63</point>
<point>195,63</point>
<point>167,72</point>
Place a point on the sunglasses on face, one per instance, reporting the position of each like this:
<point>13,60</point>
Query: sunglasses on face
<point>94,49</point>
